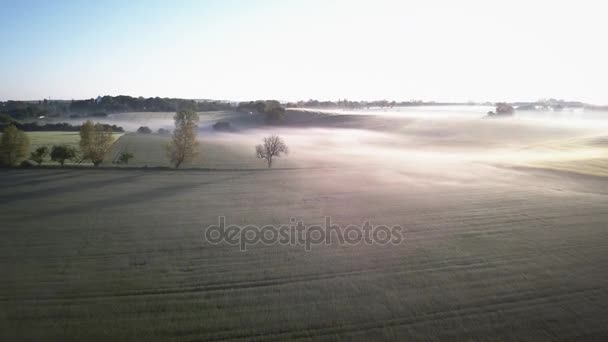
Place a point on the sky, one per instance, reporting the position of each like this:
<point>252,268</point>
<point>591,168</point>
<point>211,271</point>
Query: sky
<point>441,50</point>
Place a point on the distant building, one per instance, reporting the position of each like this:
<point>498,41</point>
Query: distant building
<point>98,100</point>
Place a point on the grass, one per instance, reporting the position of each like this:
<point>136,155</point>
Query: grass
<point>38,139</point>
<point>489,252</point>
<point>119,255</point>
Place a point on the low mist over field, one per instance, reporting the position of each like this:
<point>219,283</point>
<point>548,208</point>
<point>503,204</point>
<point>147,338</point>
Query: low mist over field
<point>398,139</point>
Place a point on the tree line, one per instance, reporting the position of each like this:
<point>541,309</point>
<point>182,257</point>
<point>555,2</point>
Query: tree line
<point>100,106</point>
<point>346,104</point>
<point>95,142</point>
<point>51,127</point>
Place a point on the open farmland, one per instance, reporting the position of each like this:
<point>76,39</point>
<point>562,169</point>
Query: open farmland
<point>504,236</point>
<point>114,254</point>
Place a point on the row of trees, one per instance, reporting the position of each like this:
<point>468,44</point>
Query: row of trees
<point>23,110</point>
<point>95,142</point>
<point>49,127</point>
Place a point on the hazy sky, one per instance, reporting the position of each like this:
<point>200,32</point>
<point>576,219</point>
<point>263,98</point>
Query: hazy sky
<point>288,50</point>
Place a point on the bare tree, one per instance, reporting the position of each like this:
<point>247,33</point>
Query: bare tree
<point>273,146</point>
<point>183,146</point>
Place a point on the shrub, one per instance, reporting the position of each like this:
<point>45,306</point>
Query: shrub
<point>61,153</point>
<point>39,154</point>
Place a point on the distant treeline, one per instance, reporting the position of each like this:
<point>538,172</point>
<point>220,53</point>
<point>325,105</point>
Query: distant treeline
<point>354,104</point>
<point>53,127</point>
<point>101,106</point>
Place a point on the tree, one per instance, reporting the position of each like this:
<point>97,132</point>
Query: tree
<point>163,131</point>
<point>14,145</point>
<point>125,157</point>
<point>95,141</point>
<point>61,153</point>
<point>273,146</point>
<point>183,146</point>
<point>144,130</point>
<point>39,154</point>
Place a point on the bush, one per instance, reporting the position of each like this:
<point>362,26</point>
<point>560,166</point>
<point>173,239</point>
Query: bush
<point>39,154</point>
<point>61,153</point>
<point>163,131</point>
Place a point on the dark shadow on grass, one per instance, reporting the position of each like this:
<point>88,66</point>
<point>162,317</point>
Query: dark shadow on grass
<point>124,200</point>
<point>35,179</point>
<point>63,188</point>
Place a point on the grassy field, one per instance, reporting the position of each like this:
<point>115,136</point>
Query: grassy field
<point>49,139</point>
<point>500,243</point>
<point>120,255</point>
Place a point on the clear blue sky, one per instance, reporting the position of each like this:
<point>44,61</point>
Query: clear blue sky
<point>289,50</point>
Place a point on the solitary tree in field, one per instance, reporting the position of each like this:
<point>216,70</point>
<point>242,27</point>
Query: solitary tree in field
<point>14,145</point>
<point>39,154</point>
<point>95,141</point>
<point>61,153</point>
<point>183,146</point>
<point>273,147</point>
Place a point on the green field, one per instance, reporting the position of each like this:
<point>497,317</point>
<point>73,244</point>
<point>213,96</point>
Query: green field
<point>120,255</point>
<point>49,139</point>
<point>505,237</point>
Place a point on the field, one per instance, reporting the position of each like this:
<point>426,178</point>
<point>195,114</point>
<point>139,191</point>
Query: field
<point>38,139</point>
<point>504,237</point>
<point>120,255</point>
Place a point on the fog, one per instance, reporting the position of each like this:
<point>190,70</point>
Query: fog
<point>453,143</point>
<point>450,141</point>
